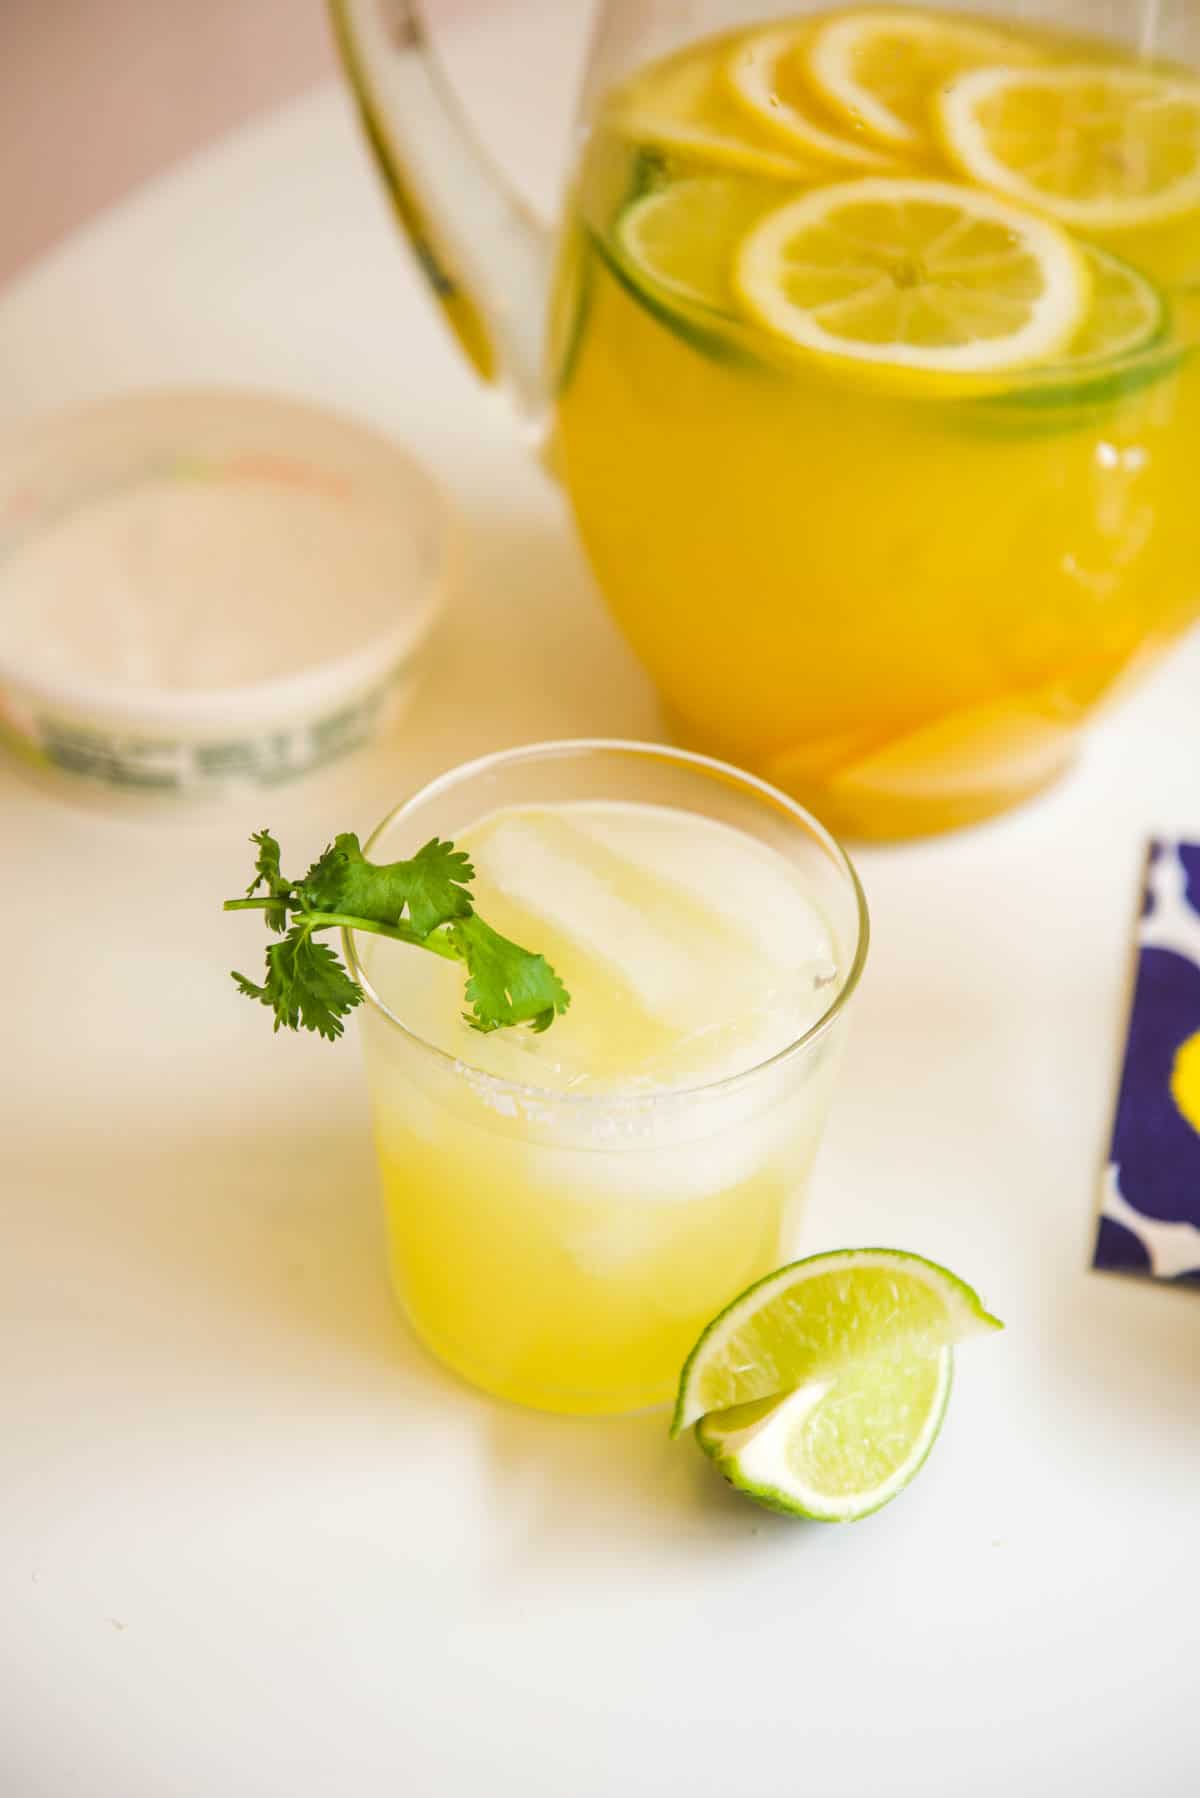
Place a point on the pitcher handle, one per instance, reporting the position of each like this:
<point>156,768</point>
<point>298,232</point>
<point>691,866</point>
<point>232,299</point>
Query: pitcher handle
<point>484,252</point>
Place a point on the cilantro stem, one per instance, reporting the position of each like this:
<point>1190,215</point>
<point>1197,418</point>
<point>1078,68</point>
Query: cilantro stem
<point>336,920</point>
<point>400,933</point>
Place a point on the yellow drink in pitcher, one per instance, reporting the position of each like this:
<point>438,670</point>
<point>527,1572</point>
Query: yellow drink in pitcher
<point>566,1211</point>
<point>875,401</point>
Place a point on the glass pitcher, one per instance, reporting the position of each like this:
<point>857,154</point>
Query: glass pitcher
<point>864,352</point>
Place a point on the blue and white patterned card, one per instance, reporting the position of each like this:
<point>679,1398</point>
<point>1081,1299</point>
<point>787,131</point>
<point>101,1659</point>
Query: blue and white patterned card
<point>1150,1205</point>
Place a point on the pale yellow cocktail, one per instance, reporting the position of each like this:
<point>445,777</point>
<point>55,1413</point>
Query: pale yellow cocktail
<point>565,1211</point>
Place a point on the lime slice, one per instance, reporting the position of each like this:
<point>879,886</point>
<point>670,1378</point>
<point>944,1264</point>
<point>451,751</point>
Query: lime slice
<point>683,237</point>
<point>765,75</point>
<point>879,70</point>
<point>923,275</point>
<point>685,107</point>
<point>821,1389</point>
<point>1099,148</point>
<point>1127,313</point>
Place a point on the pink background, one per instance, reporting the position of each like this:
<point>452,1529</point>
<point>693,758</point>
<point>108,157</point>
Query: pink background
<point>96,95</point>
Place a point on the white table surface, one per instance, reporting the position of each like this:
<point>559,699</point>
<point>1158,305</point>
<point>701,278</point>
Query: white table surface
<point>253,1544</point>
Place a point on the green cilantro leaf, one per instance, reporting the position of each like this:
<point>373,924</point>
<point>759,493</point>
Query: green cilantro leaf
<point>306,986</point>
<point>422,901</point>
<point>266,873</point>
<point>430,888</point>
<point>507,984</point>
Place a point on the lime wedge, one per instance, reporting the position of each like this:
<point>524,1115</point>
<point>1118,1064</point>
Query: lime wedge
<point>820,1391</point>
<point>834,1456</point>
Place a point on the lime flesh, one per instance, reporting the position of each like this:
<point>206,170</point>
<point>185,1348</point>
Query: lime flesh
<point>820,1391</point>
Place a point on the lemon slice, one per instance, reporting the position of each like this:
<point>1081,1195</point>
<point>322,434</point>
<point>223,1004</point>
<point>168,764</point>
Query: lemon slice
<point>683,237</point>
<point>1099,148</point>
<point>685,106</point>
<point>1014,745</point>
<point>879,70</point>
<point>914,274</point>
<point>765,75</point>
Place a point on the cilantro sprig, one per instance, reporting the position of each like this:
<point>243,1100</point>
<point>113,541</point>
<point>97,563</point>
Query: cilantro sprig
<point>424,901</point>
